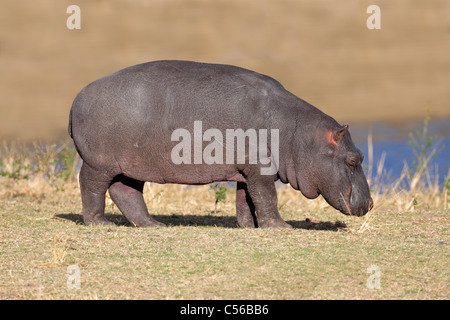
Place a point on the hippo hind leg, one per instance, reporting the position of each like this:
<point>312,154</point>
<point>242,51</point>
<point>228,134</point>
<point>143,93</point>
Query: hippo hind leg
<point>93,186</point>
<point>245,209</point>
<point>127,195</point>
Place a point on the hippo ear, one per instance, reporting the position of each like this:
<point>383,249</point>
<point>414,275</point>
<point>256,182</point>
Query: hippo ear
<point>337,136</point>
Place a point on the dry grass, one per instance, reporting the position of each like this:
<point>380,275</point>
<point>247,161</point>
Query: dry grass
<point>204,256</point>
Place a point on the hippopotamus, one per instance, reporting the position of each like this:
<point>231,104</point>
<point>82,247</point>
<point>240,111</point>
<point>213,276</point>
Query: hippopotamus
<point>141,124</point>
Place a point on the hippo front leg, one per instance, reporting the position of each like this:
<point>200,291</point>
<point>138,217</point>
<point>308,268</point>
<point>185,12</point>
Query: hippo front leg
<point>264,196</point>
<point>245,209</point>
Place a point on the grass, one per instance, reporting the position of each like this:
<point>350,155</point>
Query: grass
<point>202,254</point>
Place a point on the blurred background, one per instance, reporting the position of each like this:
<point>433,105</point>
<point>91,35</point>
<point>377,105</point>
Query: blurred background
<point>319,50</point>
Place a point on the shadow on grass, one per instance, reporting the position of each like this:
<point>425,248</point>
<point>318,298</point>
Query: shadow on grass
<point>203,220</point>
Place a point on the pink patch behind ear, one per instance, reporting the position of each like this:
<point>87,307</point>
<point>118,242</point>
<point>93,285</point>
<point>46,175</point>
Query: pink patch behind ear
<point>330,138</point>
<point>334,137</point>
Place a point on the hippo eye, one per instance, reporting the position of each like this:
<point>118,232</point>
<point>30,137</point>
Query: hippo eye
<point>352,161</point>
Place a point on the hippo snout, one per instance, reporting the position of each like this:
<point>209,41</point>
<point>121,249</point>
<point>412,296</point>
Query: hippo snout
<point>362,210</point>
<point>356,205</point>
<point>361,201</point>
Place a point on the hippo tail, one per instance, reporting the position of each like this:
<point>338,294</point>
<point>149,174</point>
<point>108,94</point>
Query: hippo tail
<point>70,124</point>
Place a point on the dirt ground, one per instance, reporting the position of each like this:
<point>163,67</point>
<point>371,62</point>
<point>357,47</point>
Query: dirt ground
<point>322,51</point>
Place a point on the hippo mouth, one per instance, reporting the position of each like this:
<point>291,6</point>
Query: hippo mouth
<point>344,206</point>
<point>342,203</point>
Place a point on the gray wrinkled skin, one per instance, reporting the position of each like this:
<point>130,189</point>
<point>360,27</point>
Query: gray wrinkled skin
<point>121,126</point>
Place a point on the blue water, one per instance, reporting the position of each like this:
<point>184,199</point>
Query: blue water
<point>393,140</point>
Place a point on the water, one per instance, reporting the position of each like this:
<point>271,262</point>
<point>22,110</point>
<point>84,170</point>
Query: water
<point>393,141</point>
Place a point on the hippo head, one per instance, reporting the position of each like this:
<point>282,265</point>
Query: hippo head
<point>333,169</point>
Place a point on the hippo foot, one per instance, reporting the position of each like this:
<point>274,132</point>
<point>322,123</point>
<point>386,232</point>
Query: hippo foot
<point>150,223</point>
<point>245,221</point>
<point>142,220</point>
<point>102,221</point>
<point>272,223</point>
<point>246,224</point>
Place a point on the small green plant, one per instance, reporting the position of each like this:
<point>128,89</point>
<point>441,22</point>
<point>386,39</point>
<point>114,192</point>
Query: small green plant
<point>16,171</point>
<point>220,194</point>
<point>45,160</point>
<point>69,159</point>
<point>55,163</point>
<point>14,161</point>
